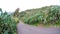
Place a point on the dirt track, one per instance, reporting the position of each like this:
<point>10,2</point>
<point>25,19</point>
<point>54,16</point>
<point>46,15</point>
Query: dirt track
<point>27,29</point>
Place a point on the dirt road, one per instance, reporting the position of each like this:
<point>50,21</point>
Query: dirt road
<point>27,29</point>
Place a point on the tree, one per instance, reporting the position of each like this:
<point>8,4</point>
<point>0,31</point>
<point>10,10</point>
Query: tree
<point>16,13</point>
<point>1,11</point>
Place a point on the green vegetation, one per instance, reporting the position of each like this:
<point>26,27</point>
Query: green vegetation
<point>49,15</point>
<point>7,23</point>
<point>45,15</point>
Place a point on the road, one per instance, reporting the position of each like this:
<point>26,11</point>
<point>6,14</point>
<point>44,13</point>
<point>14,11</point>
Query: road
<point>27,29</point>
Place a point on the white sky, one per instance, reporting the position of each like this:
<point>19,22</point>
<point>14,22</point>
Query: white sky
<point>11,5</point>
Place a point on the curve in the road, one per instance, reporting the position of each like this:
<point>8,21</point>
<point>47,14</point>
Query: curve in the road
<point>27,29</point>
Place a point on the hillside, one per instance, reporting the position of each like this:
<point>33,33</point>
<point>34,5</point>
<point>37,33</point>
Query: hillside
<point>44,15</point>
<point>48,15</point>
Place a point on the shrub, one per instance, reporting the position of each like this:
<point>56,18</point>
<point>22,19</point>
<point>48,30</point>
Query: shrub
<point>7,24</point>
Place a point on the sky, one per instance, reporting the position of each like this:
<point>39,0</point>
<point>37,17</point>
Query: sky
<point>11,5</point>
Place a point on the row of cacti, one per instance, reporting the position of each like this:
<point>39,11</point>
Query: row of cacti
<point>7,23</point>
<point>46,15</point>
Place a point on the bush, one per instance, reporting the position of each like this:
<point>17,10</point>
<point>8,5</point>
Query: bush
<point>44,15</point>
<point>7,24</point>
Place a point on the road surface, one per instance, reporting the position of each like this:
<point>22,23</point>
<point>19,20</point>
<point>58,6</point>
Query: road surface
<point>27,29</point>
